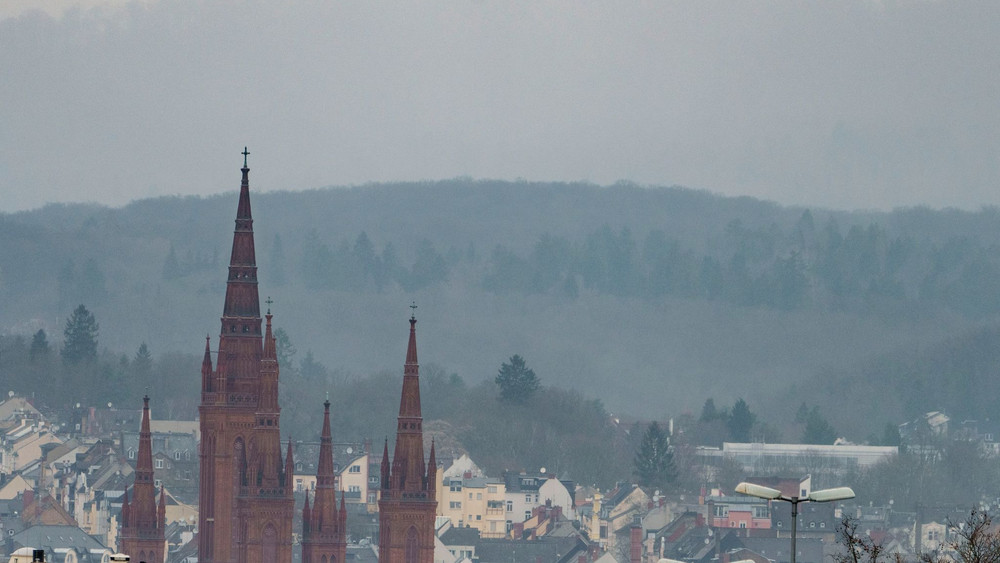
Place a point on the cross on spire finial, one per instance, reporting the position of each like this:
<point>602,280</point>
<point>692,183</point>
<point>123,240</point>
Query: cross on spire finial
<point>245,153</point>
<point>413,315</point>
<point>269,301</point>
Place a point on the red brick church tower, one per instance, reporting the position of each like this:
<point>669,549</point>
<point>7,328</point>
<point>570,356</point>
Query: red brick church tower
<point>407,508</point>
<point>245,500</point>
<point>324,526</point>
<point>142,521</point>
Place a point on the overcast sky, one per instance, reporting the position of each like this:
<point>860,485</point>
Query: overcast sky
<point>846,104</point>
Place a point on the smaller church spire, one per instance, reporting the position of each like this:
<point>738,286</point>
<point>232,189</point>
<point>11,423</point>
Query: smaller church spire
<point>306,528</point>
<point>270,346</point>
<point>125,509</point>
<point>289,470</point>
<point>432,472</point>
<point>161,511</point>
<point>385,466</point>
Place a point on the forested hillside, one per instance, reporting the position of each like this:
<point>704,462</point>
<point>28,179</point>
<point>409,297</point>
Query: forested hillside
<point>650,299</point>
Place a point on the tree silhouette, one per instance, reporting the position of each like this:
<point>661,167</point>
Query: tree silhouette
<point>80,337</point>
<point>654,462</point>
<point>516,380</point>
<point>740,421</point>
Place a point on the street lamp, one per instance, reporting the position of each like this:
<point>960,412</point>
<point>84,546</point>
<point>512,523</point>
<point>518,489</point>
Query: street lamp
<point>824,495</point>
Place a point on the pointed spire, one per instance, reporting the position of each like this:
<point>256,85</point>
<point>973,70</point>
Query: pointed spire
<point>343,507</point>
<point>411,348</point>
<point>289,468</point>
<point>385,466</point>
<point>126,512</point>
<point>432,471</point>
<point>305,516</point>
<point>242,300</point>
<point>270,346</point>
<point>206,362</point>
<point>161,512</point>
<point>144,463</point>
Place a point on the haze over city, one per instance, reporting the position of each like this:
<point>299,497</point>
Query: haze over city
<point>850,105</point>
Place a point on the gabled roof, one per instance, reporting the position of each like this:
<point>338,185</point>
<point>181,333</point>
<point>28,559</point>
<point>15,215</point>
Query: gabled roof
<point>56,537</point>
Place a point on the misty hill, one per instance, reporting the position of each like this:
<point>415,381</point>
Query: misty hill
<point>650,298</point>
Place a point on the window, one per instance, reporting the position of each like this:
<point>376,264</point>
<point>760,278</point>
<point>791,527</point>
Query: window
<point>527,514</point>
<point>157,483</point>
<point>159,464</point>
<point>131,453</point>
<point>298,485</point>
<point>721,510</point>
<point>527,498</point>
<point>372,498</point>
<point>470,496</point>
<point>479,516</point>
<point>177,456</point>
<point>510,506</point>
<point>354,489</point>
<point>479,496</point>
<point>760,512</point>
<point>491,490</point>
<point>743,524</point>
<point>456,486</point>
<point>354,469</point>
<point>187,455</point>
<point>455,505</point>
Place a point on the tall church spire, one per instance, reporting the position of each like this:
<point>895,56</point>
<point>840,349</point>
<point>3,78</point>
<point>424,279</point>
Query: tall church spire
<point>242,300</point>
<point>245,497</point>
<point>408,461</point>
<point>407,507</point>
<point>142,522</point>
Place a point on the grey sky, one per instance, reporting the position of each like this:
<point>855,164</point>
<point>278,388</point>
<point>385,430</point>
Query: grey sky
<point>850,104</point>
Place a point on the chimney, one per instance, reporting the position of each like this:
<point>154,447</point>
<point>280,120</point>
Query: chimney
<point>635,533</point>
<point>37,555</point>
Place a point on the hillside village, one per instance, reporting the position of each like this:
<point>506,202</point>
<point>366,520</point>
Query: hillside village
<point>62,484</point>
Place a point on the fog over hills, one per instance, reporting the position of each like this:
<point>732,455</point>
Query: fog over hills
<point>852,105</point>
<point>651,299</point>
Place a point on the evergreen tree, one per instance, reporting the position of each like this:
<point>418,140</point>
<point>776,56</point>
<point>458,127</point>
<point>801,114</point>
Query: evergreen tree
<point>708,411</point>
<point>654,462</point>
<point>312,370</point>
<point>818,430</point>
<point>39,347</point>
<point>80,337</point>
<point>516,380</point>
<point>740,421</point>
<point>171,267</point>
<point>890,435</point>
<point>285,349</point>
<point>142,365</point>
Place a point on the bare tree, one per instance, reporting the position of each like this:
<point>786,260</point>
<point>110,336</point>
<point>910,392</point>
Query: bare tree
<point>977,539</point>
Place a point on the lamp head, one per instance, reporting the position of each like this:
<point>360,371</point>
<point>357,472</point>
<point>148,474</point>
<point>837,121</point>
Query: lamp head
<point>827,495</point>
<point>759,491</point>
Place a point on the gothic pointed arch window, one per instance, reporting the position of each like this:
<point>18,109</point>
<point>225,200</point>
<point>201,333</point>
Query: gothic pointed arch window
<point>325,560</point>
<point>412,547</point>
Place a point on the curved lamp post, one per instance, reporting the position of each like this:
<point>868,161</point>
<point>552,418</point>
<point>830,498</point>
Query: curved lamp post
<point>824,495</point>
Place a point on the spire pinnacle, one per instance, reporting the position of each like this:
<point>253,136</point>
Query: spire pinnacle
<point>245,153</point>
